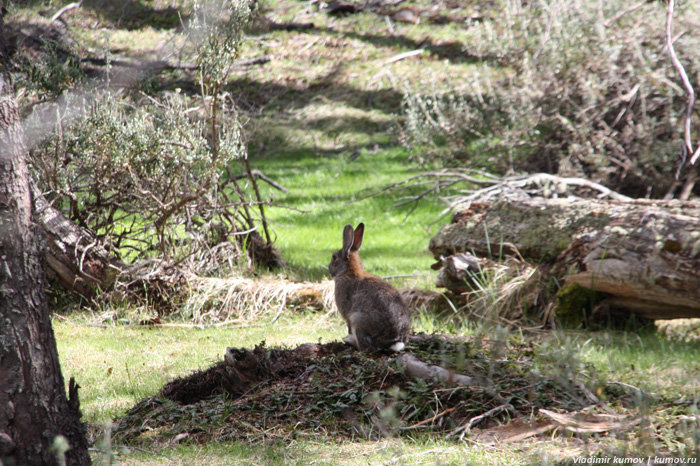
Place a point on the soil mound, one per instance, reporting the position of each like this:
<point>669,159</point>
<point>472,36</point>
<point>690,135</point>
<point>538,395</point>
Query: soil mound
<point>334,390</point>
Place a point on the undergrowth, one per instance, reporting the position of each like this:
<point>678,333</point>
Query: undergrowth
<point>579,88</point>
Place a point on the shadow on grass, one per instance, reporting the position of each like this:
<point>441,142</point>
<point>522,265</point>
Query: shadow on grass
<point>449,50</point>
<point>134,14</point>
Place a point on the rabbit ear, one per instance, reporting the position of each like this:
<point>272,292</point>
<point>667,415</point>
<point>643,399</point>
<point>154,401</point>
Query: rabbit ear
<point>348,238</point>
<point>359,234</point>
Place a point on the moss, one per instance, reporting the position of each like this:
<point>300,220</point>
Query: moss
<point>573,305</point>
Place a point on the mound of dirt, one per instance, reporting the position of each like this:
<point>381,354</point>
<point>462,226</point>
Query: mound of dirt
<point>334,390</point>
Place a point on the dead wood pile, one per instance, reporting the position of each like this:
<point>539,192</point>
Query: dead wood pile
<point>329,389</point>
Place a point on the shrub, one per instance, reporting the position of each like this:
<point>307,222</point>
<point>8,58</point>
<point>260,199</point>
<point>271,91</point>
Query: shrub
<point>562,90</point>
<point>143,176</point>
<point>152,175</point>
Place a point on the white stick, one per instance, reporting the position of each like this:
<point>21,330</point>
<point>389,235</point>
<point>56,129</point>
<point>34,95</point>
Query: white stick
<point>70,6</point>
<point>401,56</point>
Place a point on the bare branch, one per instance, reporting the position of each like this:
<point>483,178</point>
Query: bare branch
<point>622,13</point>
<point>258,174</point>
<point>684,77</point>
<point>404,55</point>
<point>68,7</point>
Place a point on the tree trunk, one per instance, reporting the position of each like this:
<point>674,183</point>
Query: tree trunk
<point>34,409</point>
<point>642,256</point>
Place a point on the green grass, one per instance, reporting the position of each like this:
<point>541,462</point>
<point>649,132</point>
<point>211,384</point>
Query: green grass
<point>661,367</point>
<point>117,365</point>
<point>304,452</point>
<point>327,97</point>
<point>329,190</point>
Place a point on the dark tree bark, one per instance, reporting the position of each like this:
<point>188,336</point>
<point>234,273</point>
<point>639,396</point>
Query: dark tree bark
<point>34,408</point>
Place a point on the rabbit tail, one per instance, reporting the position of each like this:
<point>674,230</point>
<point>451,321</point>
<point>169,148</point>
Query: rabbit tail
<point>365,342</point>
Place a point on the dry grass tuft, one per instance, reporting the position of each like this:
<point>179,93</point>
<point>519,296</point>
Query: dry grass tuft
<point>222,299</point>
<point>237,298</point>
<point>503,292</point>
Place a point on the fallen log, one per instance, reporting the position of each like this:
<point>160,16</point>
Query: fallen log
<point>641,256</point>
<point>75,258</point>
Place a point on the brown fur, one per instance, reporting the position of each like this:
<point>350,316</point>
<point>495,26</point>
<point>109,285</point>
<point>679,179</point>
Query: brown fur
<point>376,316</point>
<point>356,268</point>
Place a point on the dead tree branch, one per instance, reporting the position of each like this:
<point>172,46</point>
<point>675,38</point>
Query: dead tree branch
<point>68,7</point>
<point>482,186</point>
<point>422,370</point>
<point>686,84</point>
<point>258,174</point>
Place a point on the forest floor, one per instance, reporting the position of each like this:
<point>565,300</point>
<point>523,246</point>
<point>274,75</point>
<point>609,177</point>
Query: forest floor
<point>322,120</point>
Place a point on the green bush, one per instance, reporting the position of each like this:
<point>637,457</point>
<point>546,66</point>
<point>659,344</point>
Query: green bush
<point>567,88</point>
<point>143,176</point>
<point>151,175</point>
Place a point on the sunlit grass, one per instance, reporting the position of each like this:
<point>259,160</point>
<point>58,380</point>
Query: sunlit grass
<point>661,367</point>
<point>333,191</point>
<point>117,366</point>
<point>306,451</point>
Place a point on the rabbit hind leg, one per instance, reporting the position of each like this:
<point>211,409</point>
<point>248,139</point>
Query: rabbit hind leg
<point>351,339</point>
<point>364,340</point>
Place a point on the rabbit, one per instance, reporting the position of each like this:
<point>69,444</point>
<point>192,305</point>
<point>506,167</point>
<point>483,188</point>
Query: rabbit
<point>374,311</point>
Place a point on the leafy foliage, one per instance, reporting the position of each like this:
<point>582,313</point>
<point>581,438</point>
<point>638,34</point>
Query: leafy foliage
<point>142,175</point>
<point>152,174</point>
<point>215,30</point>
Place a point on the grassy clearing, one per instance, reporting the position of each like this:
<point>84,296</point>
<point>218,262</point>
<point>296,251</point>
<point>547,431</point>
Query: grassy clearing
<point>321,119</point>
<point>333,188</point>
<point>118,365</point>
<point>661,367</point>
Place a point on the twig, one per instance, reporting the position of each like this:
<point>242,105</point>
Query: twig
<point>686,83</point>
<point>477,419</point>
<point>520,182</point>
<point>426,421</point>
<point>261,208</point>
<point>258,174</point>
<point>401,56</point>
<point>622,13</point>
<point>243,233</point>
<point>450,177</point>
<point>626,385</point>
<point>389,26</point>
<point>68,7</point>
